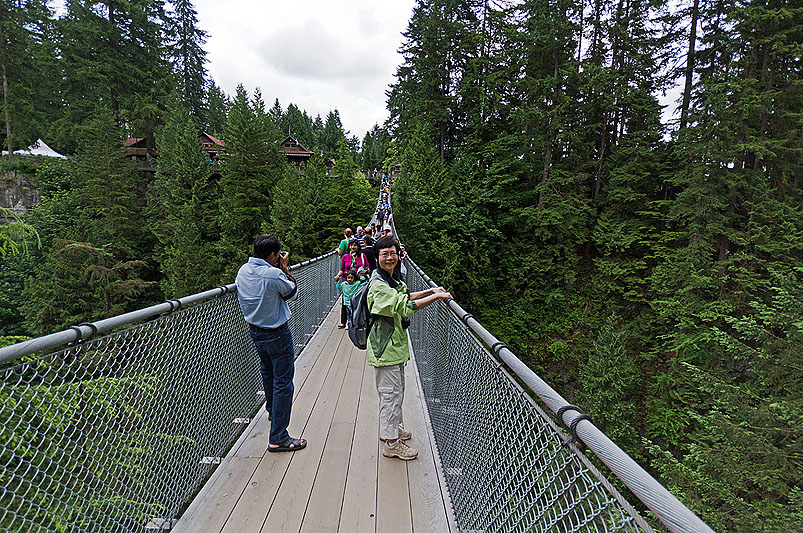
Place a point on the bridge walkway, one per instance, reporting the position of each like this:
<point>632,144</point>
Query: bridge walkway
<point>340,482</point>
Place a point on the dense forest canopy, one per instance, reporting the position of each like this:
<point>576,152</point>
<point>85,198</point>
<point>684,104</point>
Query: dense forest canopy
<point>650,269</point>
<point>108,236</point>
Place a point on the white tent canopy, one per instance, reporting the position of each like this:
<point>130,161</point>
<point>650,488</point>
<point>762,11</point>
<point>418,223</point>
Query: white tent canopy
<point>38,148</point>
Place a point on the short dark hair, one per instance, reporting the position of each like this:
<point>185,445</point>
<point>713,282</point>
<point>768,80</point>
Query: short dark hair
<point>385,242</point>
<point>359,246</point>
<point>266,244</point>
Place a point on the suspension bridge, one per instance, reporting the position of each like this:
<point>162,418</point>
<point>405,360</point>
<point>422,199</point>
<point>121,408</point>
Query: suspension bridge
<point>152,421</point>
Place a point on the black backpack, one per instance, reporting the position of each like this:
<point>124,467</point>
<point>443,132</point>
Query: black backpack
<point>359,318</point>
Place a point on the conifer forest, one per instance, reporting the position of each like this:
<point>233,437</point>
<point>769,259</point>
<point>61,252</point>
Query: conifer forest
<point>614,188</point>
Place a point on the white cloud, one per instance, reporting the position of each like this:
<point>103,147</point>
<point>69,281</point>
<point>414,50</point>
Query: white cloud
<point>319,55</point>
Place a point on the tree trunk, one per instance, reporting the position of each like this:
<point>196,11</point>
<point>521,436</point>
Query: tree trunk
<point>580,34</point>
<point>9,142</point>
<point>603,141</point>
<point>550,132</point>
<point>684,106</point>
<point>597,22</point>
<point>113,44</point>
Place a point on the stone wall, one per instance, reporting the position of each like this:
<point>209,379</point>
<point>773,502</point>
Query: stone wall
<point>17,191</point>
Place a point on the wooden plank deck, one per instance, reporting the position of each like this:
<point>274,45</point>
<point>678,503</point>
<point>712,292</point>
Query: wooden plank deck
<point>340,482</point>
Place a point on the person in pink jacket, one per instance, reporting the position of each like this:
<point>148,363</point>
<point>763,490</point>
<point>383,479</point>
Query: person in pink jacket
<point>354,259</point>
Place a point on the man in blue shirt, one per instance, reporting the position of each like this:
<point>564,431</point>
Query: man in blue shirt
<point>264,284</point>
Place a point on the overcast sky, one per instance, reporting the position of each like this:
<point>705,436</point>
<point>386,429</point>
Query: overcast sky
<point>320,55</point>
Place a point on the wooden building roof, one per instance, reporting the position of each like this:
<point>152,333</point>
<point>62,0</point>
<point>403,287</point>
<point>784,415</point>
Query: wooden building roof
<point>294,149</point>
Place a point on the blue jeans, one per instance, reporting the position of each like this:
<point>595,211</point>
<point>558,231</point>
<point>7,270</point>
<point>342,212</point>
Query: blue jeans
<point>276,355</point>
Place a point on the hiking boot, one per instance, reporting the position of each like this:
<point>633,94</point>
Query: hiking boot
<point>401,450</point>
<point>404,434</point>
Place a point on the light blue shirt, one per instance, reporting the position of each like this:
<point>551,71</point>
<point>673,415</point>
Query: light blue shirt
<point>260,287</point>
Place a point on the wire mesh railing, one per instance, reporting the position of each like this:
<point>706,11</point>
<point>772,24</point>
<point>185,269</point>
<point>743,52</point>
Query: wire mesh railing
<point>504,461</point>
<point>118,431</point>
<point>508,466</point>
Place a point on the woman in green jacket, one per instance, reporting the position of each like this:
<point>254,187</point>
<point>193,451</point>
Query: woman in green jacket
<point>389,300</point>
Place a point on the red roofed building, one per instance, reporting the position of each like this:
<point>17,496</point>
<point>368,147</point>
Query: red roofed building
<point>211,146</point>
<point>295,152</point>
<point>136,149</point>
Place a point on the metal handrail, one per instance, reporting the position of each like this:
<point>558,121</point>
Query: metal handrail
<point>116,432</point>
<point>671,511</point>
<point>90,329</point>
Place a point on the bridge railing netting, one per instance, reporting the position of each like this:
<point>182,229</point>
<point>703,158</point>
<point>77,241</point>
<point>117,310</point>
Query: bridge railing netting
<point>117,432</point>
<point>503,459</point>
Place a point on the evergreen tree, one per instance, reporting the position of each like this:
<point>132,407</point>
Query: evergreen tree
<point>186,45</point>
<point>332,135</point>
<point>317,133</point>
<point>183,207</point>
<point>28,71</point>
<point>251,169</point>
<point>276,112</point>
<point>299,202</point>
<point>107,189</point>
<point>96,270</point>
<point>217,106</point>
<point>298,124</point>
<point>113,52</point>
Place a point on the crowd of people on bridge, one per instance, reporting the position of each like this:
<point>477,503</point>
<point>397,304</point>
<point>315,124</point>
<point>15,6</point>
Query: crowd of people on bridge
<point>370,255</point>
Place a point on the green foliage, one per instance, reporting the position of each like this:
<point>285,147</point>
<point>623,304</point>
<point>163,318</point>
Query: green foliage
<point>15,235</point>
<point>106,188</point>
<point>251,169</point>
<point>374,148</point>
<point>27,61</point>
<point>93,236</point>
<point>8,340</point>
<point>182,204</point>
<point>188,56</point>
<point>608,384</point>
<point>650,273</point>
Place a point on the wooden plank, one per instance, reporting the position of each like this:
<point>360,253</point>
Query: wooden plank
<point>290,504</point>
<point>256,501</point>
<point>217,498</point>
<point>426,496</point>
<point>359,502</point>
<point>210,511</point>
<point>393,514</point>
<point>309,356</point>
<point>326,499</point>
<point>257,441</point>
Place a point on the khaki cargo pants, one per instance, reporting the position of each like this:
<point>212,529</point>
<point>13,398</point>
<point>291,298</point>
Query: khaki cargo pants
<point>390,386</point>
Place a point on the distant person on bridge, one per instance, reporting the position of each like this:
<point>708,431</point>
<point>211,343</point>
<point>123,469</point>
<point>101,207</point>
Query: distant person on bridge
<point>354,259</point>
<point>349,285</point>
<point>389,300</point>
<point>264,284</point>
<point>368,250</point>
<point>344,244</point>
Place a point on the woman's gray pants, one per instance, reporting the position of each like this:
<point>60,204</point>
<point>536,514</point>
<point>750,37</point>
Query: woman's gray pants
<point>390,386</point>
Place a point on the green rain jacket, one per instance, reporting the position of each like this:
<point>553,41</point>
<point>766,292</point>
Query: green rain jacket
<point>387,340</point>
